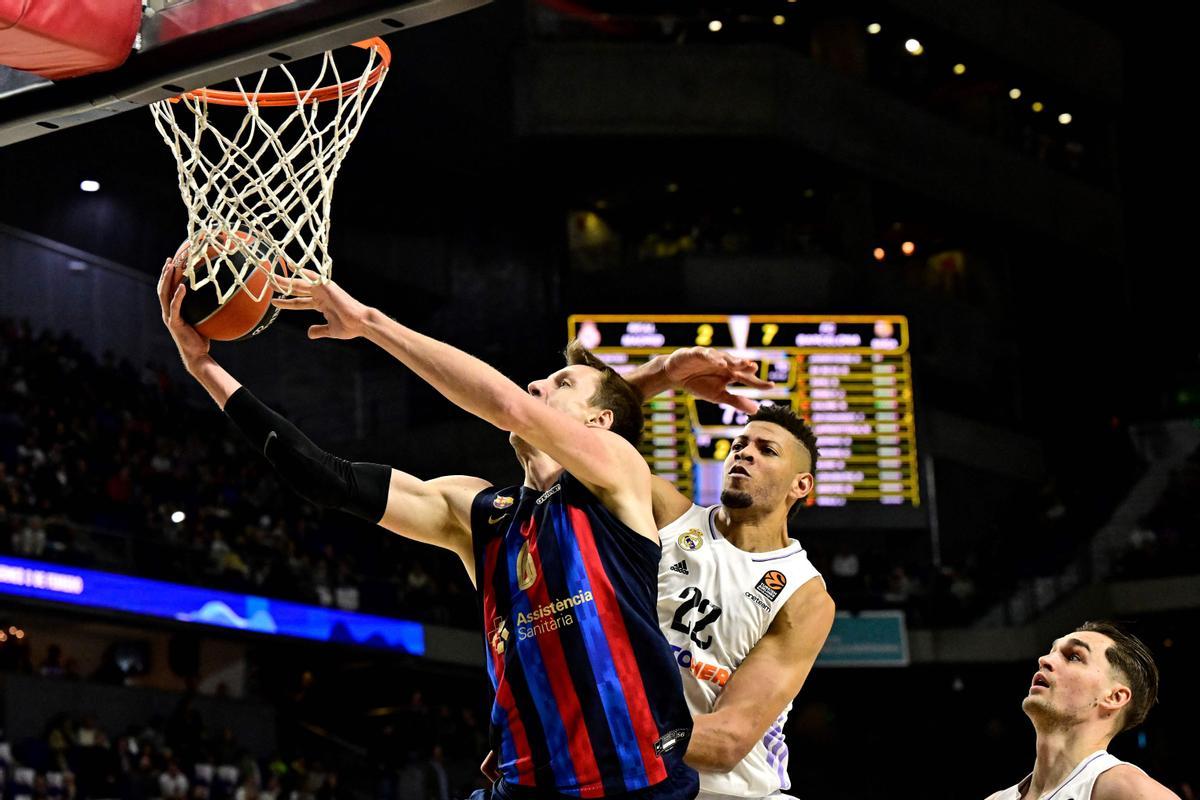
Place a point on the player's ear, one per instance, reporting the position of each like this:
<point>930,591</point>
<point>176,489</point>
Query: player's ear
<point>602,419</point>
<point>802,485</point>
<point>1117,698</point>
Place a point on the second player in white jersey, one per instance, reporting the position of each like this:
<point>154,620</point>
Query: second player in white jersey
<point>715,603</point>
<point>1077,786</point>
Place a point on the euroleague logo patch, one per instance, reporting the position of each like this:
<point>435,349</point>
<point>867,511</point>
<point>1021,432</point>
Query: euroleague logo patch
<point>771,584</point>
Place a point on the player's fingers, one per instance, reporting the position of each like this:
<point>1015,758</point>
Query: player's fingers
<point>318,331</point>
<point>296,287</point>
<point>294,303</point>
<point>750,378</point>
<point>177,301</point>
<point>740,403</point>
<point>312,276</point>
<point>164,284</point>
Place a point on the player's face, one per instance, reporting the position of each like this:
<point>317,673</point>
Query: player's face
<point>1074,680</point>
<point>570,390</point>
<point>766,467</point>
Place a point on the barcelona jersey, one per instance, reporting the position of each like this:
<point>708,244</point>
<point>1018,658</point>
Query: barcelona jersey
<point>589,701</point>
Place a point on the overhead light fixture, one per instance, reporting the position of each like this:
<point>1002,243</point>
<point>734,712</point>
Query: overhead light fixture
<point>960,69</point>
<point>915,47</point>
<point>1014,94</point>
<point>778,19</point>
<point>879,253</point>
<point>715,25</point>
<point>178,517</point>
<point>908,248</point>
<point>874,28</point>
<point>1064,119</point>
<point>89,185</point>
<point>1037,107</point>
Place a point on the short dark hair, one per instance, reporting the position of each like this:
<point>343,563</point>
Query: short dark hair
<point>614,393</point>
<point>1130,657</point>
<point>794,424</point>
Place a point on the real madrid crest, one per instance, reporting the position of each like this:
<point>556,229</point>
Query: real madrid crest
<point>691,540</point>
<point>501,501</point>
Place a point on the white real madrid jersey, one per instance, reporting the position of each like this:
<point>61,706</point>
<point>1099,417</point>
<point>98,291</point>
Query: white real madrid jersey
<point>714,603</point>
<point>1077,786</point>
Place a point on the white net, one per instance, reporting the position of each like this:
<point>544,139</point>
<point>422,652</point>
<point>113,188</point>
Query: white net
<point>259,185</point>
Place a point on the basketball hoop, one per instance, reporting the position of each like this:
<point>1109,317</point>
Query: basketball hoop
<point>269,182</point>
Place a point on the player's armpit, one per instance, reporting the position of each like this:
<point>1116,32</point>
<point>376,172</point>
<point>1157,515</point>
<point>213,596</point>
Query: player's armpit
<point>764,683</point>
<point>1126,782</point>
<point>668,504</point>
<point>436,512</point>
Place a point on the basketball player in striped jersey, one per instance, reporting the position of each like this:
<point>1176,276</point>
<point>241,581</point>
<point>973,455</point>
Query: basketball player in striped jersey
<point>745,611</point>
<point>1093,684</point>
<point>589,701</point>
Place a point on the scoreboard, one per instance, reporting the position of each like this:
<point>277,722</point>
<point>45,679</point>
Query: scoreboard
<point>848,376</point>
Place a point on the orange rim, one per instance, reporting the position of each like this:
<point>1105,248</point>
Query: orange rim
<point>220,97</point>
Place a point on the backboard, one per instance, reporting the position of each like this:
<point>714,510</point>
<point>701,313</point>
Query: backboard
<point>187,44</point>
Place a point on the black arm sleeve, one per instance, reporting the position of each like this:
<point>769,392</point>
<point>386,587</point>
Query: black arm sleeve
<point>324,479</point>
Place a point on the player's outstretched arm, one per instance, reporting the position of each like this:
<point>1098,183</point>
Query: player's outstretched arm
<point>193,348</point>
<point>437,512</point>
<point>601,459</point>
<point>1126,782</point>
<point>703,372</point>
<point>764,683</point>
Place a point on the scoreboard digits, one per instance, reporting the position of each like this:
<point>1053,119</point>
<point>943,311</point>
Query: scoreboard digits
<point>848,376</point>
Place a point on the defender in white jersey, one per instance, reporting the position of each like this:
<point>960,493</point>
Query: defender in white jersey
<point>742,607</point>
<point>1093,684</point>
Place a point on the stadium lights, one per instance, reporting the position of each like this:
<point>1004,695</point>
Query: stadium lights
<point>874,28</point>
<point>915,47</point>
<point>908,248</point>
<point>178,517</point>
<point>778,19</point>
<point>89,186</point>
<point>1014,94</point>
<point>3,636</point>
<point>1037,106</point>
<point>1064,119</point>
<point>879,253</point>
<point>715,25</point>
<point>960,69</point>
<point>20,634</point>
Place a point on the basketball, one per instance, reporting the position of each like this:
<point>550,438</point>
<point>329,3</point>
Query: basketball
<point>240,315</point>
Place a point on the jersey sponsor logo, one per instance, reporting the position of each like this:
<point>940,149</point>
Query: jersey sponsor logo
<point>680,567</point>
<point>771,584</point>
<point>691,540</point>
<point>702,670</point>
<point>546,495</point>
<point>493,520</point>
<point>754,599</point>
<point>526,570</point>
<point>501,501</point>
<point>550,616</point>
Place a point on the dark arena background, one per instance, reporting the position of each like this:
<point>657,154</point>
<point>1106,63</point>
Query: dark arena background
<point>968,186</point>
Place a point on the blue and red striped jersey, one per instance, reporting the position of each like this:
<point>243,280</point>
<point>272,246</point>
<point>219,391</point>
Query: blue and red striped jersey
<point>589,702</point>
